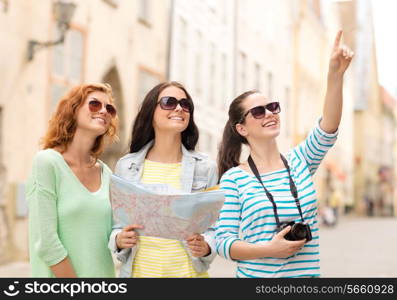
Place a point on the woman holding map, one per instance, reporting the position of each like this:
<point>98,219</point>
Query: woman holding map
<point>70,218</point>
<point>163,140</point>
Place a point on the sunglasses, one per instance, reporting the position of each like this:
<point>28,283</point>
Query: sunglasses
<point>96,105</point>
<point>170,103</point>
<point>259,112</point>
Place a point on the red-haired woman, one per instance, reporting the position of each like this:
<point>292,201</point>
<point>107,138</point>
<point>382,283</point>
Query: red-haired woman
<point>70,217</point>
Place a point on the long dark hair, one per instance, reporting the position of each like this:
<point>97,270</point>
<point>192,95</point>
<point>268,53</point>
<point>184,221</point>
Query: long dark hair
<point>142,129</point>
<point>230,148</point>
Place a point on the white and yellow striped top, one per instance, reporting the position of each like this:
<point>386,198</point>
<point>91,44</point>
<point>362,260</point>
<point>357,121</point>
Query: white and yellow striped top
<point>159,257</point>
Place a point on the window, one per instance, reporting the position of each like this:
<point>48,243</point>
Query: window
<point>225,4</point>
<point>286,109</point>
<point>144,11</point>
<point>76,57</point>
<point>212,75</point>
<point>224,86</point>
<point>243,75</point>
<point>58,90</point>
<point>68,57</point>
<point>209,143</point>
<point>198,62</point>
<point>67,64</point>
<point>58,60</point>
<point>206,142</point>
<point>147,80</point>
<point>270,85</point>
<point>258,77</point>
<point>182,50</point>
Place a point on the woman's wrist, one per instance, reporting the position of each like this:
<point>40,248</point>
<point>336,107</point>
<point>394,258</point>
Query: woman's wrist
<point>335,76</point>
<point>117,242</point>
<point>266,249</point>
<point>247,250</point>
<point>208,250</point>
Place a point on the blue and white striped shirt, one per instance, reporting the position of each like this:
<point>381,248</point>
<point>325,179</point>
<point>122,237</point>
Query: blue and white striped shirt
<point>248,215</point>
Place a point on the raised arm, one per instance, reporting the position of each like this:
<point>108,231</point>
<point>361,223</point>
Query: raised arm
<point>341,57</point>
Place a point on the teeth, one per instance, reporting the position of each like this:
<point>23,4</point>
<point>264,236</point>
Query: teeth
<point>103,121</point>
<point>270,124</point>
<point>176,118</point>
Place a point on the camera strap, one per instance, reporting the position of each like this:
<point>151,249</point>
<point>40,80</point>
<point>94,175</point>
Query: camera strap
<point>292,187</point>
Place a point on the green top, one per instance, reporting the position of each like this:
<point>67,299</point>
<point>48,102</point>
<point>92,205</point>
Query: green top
<point>66,219</point>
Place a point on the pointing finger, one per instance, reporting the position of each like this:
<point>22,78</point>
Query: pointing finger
<point>337,39</point>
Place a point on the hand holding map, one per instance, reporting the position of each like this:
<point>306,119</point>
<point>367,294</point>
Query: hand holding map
<point>167,215</point>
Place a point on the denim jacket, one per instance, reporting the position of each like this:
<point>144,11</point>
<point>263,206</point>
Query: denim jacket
<point>198,172</point>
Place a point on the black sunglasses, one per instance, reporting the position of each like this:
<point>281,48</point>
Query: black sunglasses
<point>96,105</point>
<point>170,103</point>
<point>259,112</point>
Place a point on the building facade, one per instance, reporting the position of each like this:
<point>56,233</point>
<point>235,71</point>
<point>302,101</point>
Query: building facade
<point>124,43</point>
<point>373,120</point>
<point>202,58</point>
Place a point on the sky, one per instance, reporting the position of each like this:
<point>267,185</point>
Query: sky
<point>385,24</point>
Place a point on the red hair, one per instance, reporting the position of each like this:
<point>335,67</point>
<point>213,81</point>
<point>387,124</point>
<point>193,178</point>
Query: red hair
<point>63,123</point>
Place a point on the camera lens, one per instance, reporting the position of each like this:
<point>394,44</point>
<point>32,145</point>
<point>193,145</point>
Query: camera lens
<point>298,231</point>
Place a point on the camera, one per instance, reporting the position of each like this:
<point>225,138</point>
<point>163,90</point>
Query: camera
<point>299,231</point>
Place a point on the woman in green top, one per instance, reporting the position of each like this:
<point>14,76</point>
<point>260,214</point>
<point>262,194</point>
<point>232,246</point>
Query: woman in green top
<point>70,217</point>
